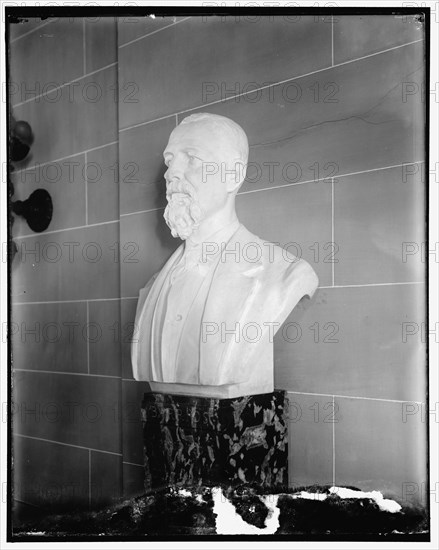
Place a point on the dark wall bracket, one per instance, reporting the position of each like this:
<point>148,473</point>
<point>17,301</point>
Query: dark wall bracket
<point>37,210</point>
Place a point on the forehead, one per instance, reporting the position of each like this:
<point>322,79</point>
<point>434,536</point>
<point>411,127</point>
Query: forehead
<point>200,135</point>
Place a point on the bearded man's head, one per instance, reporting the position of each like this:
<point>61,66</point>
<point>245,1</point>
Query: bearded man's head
<point>206,157</point>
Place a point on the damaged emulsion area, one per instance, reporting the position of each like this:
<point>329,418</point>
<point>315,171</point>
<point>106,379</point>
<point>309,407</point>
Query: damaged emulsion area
<point>241,510</point>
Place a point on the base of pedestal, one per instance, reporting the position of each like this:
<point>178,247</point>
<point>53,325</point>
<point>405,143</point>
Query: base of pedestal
<point>192,441</point>
<point>227,391</point>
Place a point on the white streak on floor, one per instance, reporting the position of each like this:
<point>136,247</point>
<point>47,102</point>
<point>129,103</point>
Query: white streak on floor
<point>385,504</point>
<point>228,522</point>
<point>310,496</point>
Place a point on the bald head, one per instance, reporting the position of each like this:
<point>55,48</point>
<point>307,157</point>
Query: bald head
<point>225,129</point>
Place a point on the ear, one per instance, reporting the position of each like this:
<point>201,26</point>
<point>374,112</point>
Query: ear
<point>235,177</point>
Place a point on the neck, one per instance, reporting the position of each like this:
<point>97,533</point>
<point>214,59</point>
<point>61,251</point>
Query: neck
<point>217,221</point>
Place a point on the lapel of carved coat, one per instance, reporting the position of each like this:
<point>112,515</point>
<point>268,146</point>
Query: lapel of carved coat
<point>144,317</point>
<point>230,299</point>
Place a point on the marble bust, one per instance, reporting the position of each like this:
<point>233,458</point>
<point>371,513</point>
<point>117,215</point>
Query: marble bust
<point>205,322</point>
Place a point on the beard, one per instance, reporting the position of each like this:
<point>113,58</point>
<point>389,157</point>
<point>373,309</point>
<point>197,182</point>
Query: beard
<point>183,213</point>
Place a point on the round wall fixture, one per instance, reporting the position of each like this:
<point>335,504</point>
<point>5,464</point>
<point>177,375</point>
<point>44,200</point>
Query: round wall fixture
<point>20,140</point>
<point>37,210</point>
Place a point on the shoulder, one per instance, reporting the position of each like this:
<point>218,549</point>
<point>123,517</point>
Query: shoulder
<point>281,265</point>
<point>291,271</point>
<point>281,268</point>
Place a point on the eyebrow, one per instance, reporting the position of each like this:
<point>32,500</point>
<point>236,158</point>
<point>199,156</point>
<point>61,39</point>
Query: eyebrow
<point>194,150</point>
<point>185,150</point>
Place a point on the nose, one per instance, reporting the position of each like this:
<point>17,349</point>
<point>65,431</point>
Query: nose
<point>174,173</point>
<point>171,176</point>
<point>172,182</point>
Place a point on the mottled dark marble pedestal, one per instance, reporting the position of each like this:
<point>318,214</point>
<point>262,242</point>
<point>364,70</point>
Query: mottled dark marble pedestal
<point>197,441</point>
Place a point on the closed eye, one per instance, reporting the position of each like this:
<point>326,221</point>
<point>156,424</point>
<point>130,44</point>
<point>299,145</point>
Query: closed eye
<point>193,153</point>
<point>193,157</point>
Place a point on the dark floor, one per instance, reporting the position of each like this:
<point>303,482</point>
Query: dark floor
<point>170,514</point>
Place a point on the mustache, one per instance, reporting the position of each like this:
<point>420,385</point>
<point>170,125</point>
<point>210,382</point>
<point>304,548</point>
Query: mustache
<point>180,188</point>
